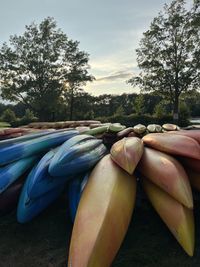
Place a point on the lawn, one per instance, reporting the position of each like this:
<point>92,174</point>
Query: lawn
<point>4,124</point>
<point>44,242</point>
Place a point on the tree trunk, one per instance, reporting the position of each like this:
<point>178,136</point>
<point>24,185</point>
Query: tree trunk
<point>176,109</point>
<point>71,105</point>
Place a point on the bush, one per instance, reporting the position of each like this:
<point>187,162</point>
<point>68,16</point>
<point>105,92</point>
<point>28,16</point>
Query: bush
<point>184,114</point>
<point>133,119</point>
<point>26,119</point>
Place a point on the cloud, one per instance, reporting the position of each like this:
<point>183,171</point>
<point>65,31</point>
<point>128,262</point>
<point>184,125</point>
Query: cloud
<point>120,75</point>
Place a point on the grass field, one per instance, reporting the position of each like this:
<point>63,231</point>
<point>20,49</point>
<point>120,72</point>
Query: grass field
<point>4,124</point>
<point>44,242</point>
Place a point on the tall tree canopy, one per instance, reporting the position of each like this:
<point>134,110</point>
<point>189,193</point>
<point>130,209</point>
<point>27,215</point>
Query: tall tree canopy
<point>169,53</point>
<point>36,66</point>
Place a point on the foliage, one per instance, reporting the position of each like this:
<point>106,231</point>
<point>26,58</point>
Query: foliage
<point>169,53</point>
<point>184,113</point>
<point>134,119</point>
<point>139,104</point>
<point>8,116</point>
<point>28,117</point>
<point>161,109</point>
<point>36,66</point>
<point>193,103</point>
<point>119,111</point>
<point>87,106</point>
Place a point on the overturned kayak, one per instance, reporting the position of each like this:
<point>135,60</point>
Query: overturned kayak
<point>103,216</point>
<point>40,181</point>
<point>173,144</point>
<point>77,155</point>
<point>127,152</point>
<point>178,218</point>
<point>28,148</point>
<point>25,137</point>
<point>11,172</point>
<point>29,208</point>
<point>167,173</point>
<point>75,189</point>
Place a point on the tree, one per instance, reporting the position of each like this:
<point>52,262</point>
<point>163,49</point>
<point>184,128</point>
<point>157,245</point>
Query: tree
<point>35,67</point>
<point>139,105</point>
<point>169,53</point>
<point>119,111</point>
<point>8,116</point>
<point>161,109</point>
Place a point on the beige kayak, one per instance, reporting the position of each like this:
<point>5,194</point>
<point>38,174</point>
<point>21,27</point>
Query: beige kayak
<point>103,216</point>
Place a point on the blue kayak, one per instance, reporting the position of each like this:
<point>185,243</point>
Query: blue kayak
<point>77,155</point>
<point>11,172</point>
<point>23,138</point>
<point>40,181</point>
<point>30,136</point>
<point>35,146</point>
<point>75,189</point>
<point>29,208</point>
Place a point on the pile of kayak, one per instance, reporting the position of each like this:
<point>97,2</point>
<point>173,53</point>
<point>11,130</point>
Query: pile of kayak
<point>101,167</point>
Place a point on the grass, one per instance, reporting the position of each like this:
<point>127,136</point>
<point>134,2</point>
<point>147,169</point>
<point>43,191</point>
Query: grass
<point>44,242</point>
<point>4,124</point>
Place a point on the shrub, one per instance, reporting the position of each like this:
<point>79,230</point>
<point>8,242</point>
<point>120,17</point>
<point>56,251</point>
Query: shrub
<point>26,119</point>
<point>133,119</point>
<point>184,114</point>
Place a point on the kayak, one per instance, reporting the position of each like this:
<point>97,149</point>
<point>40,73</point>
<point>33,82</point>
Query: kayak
<point>103,215</point>
<point>28,148</point>
<point>28,208</point>
<point>178,218</point>
<point>77,155</point>
<point>75,189</point>
<point>11,172</point>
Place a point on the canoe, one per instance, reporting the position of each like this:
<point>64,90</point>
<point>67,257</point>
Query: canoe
<point>103,216</point>
<point>178,218</point>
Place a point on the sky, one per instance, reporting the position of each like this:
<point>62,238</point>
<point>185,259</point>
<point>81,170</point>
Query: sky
<point>109,30</point>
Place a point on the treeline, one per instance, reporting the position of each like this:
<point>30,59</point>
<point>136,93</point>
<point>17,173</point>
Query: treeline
<point>104,107</point>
